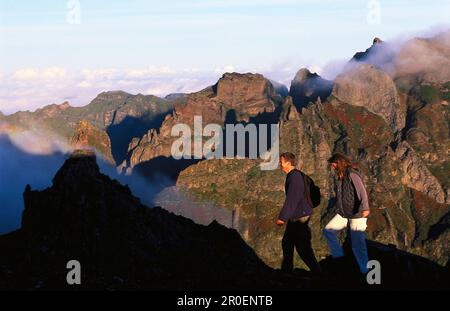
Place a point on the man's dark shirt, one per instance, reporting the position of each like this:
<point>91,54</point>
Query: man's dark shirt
<point>295,205</point>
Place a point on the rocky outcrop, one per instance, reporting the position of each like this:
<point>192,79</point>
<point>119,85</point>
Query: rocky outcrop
<point>280,88</point>
<point>432,227</point>
<point>380,54</point>
<point>366,86</point>
<point>147,147</point>
<point>428,133</point>
<point>247,94</point>
<point>289,111</point>
<point>416,175</point>
<point>308,87</point>
<point>88,136</point>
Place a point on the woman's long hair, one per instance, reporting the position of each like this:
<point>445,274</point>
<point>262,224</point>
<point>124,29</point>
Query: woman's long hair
<point>343,162</point>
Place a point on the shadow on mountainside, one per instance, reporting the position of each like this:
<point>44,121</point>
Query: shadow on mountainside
<point>301,98</point>
<point>265,118</point>
<point>17,169</point>
<point>163,171</point>
<point>121,134</point>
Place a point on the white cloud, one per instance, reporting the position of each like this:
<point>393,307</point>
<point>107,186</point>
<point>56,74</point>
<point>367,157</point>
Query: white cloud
<point>331,69</point>
<point>151,70</point>
<point>99,74</point>
<point>33,73</point>
<point>226,68</point>
<point>37,142</point>
<point>315,68</point>
<point>25,74</point>
<point>31,88</point>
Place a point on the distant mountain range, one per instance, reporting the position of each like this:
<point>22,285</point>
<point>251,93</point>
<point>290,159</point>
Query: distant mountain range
<point>118,113</point>
<point>389,109</point>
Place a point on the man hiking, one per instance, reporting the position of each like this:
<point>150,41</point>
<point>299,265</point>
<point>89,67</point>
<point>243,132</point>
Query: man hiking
<point>352,207</point>
<point>295,213</point>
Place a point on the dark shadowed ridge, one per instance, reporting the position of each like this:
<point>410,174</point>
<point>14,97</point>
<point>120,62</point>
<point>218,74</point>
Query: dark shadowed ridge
<point>17,169</point>
<point>308,87</point>
<point>122,244</point>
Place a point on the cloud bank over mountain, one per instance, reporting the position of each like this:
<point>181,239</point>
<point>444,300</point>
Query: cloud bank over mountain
<point>32,88</point>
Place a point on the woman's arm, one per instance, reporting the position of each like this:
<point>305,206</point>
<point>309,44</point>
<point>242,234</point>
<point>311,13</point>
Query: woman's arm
<point>361,193</point>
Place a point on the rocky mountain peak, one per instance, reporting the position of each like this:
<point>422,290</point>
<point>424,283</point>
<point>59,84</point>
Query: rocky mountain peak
<point>303,74</point>
<point>54,109</point>
<point>366,86</point>
<point>236,76</point>
<point>308,87</point>
<point>377,40</point>
<point>380,54</point>
<point>289,111</point>
<point>88,136</point>
<point>233,86</point>
<point>80,168</point>
<point>112,95</point>
<point>65,105</point>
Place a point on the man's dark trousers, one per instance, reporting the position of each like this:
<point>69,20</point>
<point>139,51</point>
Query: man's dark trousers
<point>298,235</point>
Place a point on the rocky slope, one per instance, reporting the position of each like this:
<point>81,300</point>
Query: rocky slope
<point>373,89</point>
<point>88,136</point>
<point>122,244</point>
<point>397,131</point>
<point>427,130</point>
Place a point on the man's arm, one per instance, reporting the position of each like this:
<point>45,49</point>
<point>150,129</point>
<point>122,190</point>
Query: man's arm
<point>361,193</point>
<point>295,190</point>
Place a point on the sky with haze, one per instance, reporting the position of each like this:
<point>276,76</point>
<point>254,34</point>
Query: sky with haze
<point>57,50</point>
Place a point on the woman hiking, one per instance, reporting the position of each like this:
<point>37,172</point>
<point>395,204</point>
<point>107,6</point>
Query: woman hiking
<point>352,209</point>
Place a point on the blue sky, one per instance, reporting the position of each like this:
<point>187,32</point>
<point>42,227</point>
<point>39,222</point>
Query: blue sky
<point>184,45</point>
